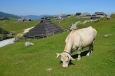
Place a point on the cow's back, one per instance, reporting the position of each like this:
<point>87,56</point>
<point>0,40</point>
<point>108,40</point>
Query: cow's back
<point>82,37</point>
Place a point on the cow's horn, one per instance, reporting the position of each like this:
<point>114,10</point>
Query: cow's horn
<point>70,57</point>
<point>58,55</point>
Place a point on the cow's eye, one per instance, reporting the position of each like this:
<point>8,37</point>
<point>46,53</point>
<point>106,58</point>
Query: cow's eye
<point>60,61</point>
<point>67,61</point>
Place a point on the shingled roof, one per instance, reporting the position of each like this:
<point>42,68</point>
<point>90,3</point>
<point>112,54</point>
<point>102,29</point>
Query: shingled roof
<point>85,14</point>
<point>43,29</point>
<point>99,13</point>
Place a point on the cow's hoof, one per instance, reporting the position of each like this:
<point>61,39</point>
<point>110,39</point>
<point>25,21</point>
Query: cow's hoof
<point>87,54</point>
<point>78,59</point>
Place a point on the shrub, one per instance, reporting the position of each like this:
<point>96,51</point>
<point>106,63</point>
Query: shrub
<point>4,31</point>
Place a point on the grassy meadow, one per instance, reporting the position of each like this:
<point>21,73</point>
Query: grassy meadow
<point>40,59</point>
<point>12,25</point>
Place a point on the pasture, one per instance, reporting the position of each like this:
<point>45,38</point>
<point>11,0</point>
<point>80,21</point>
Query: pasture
<point>40,59</point>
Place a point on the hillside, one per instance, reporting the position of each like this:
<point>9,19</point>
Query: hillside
<point>40,59</point>
<point>12,25</point>
<point>2,14</point>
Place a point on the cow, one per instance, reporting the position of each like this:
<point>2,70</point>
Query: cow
<point>77,39</point>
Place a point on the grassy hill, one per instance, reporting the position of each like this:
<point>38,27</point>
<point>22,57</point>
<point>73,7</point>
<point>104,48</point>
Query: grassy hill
<point>18,60</point>
<point>12,25</point>
<point>68,22</point>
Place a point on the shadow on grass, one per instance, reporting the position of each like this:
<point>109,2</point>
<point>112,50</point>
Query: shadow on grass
<point>76,55</point>
<point>82,54</point>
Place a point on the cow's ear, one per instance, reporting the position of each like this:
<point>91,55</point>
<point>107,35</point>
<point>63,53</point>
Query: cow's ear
<point>58,54</point>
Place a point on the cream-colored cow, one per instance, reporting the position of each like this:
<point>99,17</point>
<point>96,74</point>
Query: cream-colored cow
<point>78,39</point>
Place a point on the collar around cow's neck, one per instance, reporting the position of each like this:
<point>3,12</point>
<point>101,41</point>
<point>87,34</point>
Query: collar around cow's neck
<point>66,52</point>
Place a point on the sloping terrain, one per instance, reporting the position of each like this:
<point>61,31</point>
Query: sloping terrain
<point>40,59</point>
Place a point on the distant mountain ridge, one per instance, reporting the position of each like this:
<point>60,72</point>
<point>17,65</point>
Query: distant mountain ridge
<point>2,14</point>
<point>33,17</point>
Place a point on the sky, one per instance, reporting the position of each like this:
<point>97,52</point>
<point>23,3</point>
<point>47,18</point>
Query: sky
<point>56,7</point>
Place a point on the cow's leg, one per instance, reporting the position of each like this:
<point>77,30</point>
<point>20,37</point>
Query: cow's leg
<point>79,52</point>
<point>90,49</point>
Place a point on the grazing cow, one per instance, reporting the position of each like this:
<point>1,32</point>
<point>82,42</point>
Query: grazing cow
<point>77,39</point>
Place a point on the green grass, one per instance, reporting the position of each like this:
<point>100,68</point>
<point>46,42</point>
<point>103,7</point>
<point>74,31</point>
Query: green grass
<point>12,25</point>
<point>68,22</point>
<point>18,60</point>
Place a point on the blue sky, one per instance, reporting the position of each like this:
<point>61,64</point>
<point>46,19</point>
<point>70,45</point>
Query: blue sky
<point>56,7</point>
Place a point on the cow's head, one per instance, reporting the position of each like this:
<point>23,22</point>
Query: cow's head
<point>65,58</point>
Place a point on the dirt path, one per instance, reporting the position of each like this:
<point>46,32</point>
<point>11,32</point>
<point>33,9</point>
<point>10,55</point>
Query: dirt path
<point>6,42</point>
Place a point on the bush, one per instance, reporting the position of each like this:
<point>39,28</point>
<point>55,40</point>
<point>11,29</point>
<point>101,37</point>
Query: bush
<point>6,34</point>
<point>4,31</point>
<point>13,32</point>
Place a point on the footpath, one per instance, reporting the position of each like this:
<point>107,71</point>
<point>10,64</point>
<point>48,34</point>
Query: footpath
<point>7,42</point>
